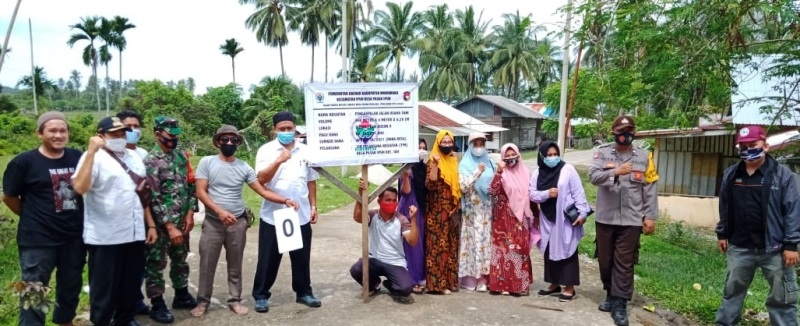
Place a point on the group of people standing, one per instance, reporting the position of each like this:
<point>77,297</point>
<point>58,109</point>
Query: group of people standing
<point>132,211</point>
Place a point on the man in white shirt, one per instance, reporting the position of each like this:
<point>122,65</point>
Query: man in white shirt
<point>282,166</point>
<point>114,227</point>
<point>387,231</point>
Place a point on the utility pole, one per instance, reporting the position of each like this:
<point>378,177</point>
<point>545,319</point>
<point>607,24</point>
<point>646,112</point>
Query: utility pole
<point>33,71</point>
<point>562,110</point>
<point>8,34</point>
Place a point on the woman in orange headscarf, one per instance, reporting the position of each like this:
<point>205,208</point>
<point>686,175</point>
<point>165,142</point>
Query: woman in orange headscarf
<point>441,218</point>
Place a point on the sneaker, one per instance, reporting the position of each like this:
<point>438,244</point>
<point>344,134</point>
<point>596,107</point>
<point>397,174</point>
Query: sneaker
<point>309,300</point>
<point>262,306</point>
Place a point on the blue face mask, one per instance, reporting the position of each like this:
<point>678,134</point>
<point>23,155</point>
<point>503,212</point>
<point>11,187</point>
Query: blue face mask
<point>552,161</point>
<point>133,136</point>
<point>286,137</point>
<point>751,154</point>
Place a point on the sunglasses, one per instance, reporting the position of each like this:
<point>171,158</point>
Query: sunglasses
<point>226,139</point>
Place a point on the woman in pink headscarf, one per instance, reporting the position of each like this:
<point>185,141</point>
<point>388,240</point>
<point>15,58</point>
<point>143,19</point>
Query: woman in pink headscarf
<point>512,230</point>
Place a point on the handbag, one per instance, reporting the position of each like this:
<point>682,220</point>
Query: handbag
<point>572,213</point>
<point>143,188</point>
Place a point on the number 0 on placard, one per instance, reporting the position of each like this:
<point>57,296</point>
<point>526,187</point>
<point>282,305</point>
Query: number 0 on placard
<point>286,222</point>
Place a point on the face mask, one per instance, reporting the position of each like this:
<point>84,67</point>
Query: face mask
<point>388,208</point>
<point>228,150</point>
<point>133,136</point>
<point>751,154</point>
<point>116,145</point>
<point>478,151</point>
<point>423,155</point>
<point>624,138</point>
<point>286,137</point>
<point>552,161</point>
<point>445,150</point>
<point>511,161</point>
<point>170,143</point>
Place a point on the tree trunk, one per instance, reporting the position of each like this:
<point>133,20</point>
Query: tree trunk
<point>326,58</point>
<point>398,70</point>
<point>108,94</point>
<point>96,86</point>
<point>283,71</point>
<point>571,102</point>
<point>233,69</point>
<point>120,75</point>
<point>312,63</point>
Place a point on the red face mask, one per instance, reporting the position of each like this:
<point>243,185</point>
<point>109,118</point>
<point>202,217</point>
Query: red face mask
<point>388,208</point>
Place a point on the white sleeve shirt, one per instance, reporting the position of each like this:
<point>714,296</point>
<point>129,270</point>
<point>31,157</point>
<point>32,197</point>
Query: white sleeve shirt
<point>113,213</point>
<point>291,179</point>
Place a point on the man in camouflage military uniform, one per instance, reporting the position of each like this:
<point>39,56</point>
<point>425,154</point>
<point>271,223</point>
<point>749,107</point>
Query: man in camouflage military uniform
<point>627,206</point>
<point>172,209</point>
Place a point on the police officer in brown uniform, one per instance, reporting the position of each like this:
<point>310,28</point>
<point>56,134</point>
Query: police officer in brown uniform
<point>627,206</point>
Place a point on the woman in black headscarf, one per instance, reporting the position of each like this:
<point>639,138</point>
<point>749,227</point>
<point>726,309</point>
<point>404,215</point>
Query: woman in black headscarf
<point>413,193</point>
<point>557,186</point>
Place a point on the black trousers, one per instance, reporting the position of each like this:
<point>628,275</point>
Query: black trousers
<point>37,265</point>
<point>399,280</point>
<point>617,252</point>
<point>269,261</point>
<point>115,273</point>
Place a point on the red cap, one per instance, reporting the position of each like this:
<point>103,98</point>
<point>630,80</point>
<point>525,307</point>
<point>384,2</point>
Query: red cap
<point>750,134</point>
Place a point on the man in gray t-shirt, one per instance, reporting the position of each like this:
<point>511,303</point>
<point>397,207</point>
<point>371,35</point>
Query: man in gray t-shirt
<point>219,180</point>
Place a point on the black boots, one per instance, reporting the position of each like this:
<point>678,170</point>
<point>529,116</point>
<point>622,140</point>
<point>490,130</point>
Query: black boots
<point>606,305</point>
<point>183,300</point>
<point>619,311</point>
<point>159,311</point>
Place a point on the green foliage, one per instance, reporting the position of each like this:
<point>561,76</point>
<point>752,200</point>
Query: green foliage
<point>7,105</point>
<point>228,100</point>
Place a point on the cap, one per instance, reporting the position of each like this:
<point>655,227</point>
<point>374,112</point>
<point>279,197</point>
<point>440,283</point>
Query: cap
<point>47,116</point>
<point>750,134</point>
<point>282,116</point>
<point>169,124</point>
<point>227,129</point>
<point>109,124</point>
<point>476,135</point>
<point>623,121</point>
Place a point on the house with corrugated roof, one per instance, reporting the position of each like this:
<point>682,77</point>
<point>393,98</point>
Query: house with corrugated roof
<point>493,133</point>
<point>522,123</point>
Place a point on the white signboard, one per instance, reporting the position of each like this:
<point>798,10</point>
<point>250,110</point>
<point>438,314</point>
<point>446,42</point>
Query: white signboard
<point>362,123</point>
<point>287,229</point>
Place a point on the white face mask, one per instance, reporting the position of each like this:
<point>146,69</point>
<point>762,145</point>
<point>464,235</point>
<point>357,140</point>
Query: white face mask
<point>423,155</point>
<point>116,145</point>
<point>478,151</point>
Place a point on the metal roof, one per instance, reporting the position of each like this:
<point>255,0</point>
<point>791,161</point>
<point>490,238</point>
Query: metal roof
<point>460,117</point>
<point>429,117</point>
<point>457,131</point>
<point>755,92</point>
<point>508,105</point>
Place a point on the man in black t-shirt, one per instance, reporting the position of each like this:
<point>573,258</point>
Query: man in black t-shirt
<point>37,186</point>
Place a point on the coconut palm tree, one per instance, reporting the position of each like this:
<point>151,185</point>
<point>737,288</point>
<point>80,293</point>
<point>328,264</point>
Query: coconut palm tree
<point>231,48</point>
<point>475,46</point>
<point>268,24</point>
<point>514,58</point>
<point>110,39</point>
<point>308,19</point>
<point>394,34</point>
<point>120,25</point>
<point>89,30</point>
<point>39,81</point>
<point>75,78</point>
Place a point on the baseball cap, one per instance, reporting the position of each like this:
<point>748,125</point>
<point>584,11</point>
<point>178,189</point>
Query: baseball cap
<point>623,121</point>
<point>750,134</point>
<point>169,124</point>
<point>109,124</point>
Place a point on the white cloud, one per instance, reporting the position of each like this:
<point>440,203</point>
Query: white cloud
<point>176,39</point>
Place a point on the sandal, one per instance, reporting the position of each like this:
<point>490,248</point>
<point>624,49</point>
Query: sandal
<point>418,289</point>
<point>200,310</point>
<point>567,298</point>
<point>238,308</point>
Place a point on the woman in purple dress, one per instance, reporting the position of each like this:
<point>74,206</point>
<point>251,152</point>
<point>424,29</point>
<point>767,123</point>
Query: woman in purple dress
<point>412,192</point>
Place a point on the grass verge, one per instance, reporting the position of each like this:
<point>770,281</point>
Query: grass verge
<point>672,260</point>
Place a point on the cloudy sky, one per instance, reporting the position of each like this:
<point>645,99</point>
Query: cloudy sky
<point>176,39</point>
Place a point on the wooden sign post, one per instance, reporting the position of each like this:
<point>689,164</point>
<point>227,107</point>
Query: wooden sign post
<point>362,124</point>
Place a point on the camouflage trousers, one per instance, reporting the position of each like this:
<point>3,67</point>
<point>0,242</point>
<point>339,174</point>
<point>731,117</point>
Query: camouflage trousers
<point>156,262</point>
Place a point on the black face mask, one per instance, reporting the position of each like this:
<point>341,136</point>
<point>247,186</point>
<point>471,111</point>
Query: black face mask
<point>511,161</point>
<point>228,150</point>
<point>445,149</point>
<point>169,143</point>
<point>624,138</point>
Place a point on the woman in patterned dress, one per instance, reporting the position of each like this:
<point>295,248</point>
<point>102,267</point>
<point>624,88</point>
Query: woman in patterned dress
<point>475,174</point>
<point>511,226</point>
<point>441,220</point>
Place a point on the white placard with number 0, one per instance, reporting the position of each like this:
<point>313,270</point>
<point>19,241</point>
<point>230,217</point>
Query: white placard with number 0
<point>287,229</point>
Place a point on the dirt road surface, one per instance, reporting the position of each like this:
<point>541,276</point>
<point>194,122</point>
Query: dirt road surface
<point>336,246</point>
